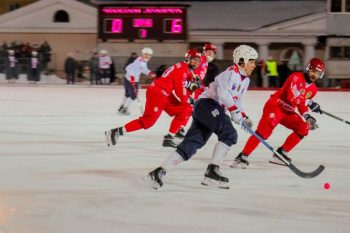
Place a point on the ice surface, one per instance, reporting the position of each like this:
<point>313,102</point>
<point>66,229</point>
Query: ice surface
<point>58,176</point>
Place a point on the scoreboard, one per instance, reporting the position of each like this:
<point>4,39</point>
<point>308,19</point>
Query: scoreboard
<point>142,22</point>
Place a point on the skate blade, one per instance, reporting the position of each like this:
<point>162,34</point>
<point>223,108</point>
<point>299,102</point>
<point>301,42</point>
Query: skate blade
<point>239,165</point>
<point>108,138</point>
<point>278,163</point>
<point>214,183</point>
<point>150,182</point>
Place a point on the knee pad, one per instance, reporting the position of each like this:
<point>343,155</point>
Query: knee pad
<point>229,137</point>
<point>185,152</point>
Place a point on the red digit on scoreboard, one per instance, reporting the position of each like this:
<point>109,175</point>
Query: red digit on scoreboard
<point>176,26</point>
<point>117,26</point>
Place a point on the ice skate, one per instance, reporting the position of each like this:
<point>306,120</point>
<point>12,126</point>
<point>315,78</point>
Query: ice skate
<point>276,160</point>
<point>213,178</point>
<point>111,137</point>
<point>180,134</point>
<point>120,109</point>
<point>123,110</point>
<point>169,141</point>
<point>154,178</point>
<point>241,161</point>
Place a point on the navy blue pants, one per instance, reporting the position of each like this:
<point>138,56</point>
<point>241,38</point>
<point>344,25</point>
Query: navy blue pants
<point>208,118</point>
<point>130,90</point>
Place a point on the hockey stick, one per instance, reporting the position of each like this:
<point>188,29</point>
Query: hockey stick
<point>335,117</point>
<point>298,172</point>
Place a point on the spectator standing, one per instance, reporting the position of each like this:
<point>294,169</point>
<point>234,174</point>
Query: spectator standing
<point>33,68</point>
<point>260,73</point>
<point>283,71</point>
<point>69,68</point>
<point>272,73</point>
<point>105,63</point>
<point>45,51</point>
<point>11,70</point>
<point>93,65</point>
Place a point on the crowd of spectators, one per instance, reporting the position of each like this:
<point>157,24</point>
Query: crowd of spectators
<point>23,57</point>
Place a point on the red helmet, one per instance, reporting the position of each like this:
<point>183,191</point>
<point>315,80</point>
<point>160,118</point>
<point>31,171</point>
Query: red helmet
<point>193,53</point>
<point>209,46</point>
<point>317,65</point>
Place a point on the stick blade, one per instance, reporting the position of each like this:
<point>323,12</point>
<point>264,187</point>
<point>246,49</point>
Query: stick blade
<point>306,175</point>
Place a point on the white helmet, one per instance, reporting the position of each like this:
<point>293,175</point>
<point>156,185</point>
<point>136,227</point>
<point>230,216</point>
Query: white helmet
<point>147,50</point>
<point>103,51</point>
<point>244,52</point>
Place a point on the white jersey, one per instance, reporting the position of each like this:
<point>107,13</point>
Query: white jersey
<point>104,62</point>
<point>228,88</point>
<point>134,70</point>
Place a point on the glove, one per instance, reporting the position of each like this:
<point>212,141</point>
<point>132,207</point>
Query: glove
<point>311,122</point>
<point>191,100</point>
<point>315,107</point>
<point>192,85</point>
<point>236,116</point>
<point>248,121</point>
<point>152,74</point>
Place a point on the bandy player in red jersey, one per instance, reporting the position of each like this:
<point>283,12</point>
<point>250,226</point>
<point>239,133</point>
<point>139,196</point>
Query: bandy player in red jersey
<point>209,51</point>
<point>208,55</point>
<point>177,80</point>
<point>296,94</point>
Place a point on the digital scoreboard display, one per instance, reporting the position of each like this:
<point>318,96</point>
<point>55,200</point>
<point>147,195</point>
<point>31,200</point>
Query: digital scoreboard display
<point>144,22</point>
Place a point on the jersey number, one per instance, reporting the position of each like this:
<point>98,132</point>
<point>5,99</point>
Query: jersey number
<point>215,112</point>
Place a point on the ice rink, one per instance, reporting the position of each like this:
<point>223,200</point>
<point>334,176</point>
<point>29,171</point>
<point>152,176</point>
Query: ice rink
<point>58,175</point>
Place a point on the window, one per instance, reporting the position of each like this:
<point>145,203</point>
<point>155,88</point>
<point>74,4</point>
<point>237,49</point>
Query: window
<point>347,52</point>
<point>61,16</point>
<point>347,6</point>
<point>339,53</point>
<point>336,5</point>
<point>13,6</point>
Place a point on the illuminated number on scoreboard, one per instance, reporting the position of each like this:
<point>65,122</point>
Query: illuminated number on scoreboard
<point>113,26</point>
<point>142,23</point>
<point>173,26</point>
<point>117,26</point>
<point>143,33</point>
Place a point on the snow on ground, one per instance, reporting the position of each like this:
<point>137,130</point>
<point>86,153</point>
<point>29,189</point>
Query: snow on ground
<point>57,174</point>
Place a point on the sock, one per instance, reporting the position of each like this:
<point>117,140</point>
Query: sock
<point>124,100</point>
<point>219,153</point>
<point>292,140</point>
<point>250,146</point>
<point>172,161</point>
<point>128,102</point>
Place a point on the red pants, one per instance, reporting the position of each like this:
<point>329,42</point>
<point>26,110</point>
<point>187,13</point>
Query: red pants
<point>156,103</point>
<point>274,115</point>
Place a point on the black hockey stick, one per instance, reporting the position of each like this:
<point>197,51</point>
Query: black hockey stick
<point>302,174</point>
<point>335,117</point>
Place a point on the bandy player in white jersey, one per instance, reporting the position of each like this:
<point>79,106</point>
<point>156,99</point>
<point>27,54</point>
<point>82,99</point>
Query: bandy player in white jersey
<point>132,78</point>
<point>209,116</point>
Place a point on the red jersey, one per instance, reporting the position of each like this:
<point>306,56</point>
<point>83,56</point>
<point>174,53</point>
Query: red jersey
<point>201,71</point>
<point>295,91</point>
<point>173,80</point>
<point>202,68</point>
